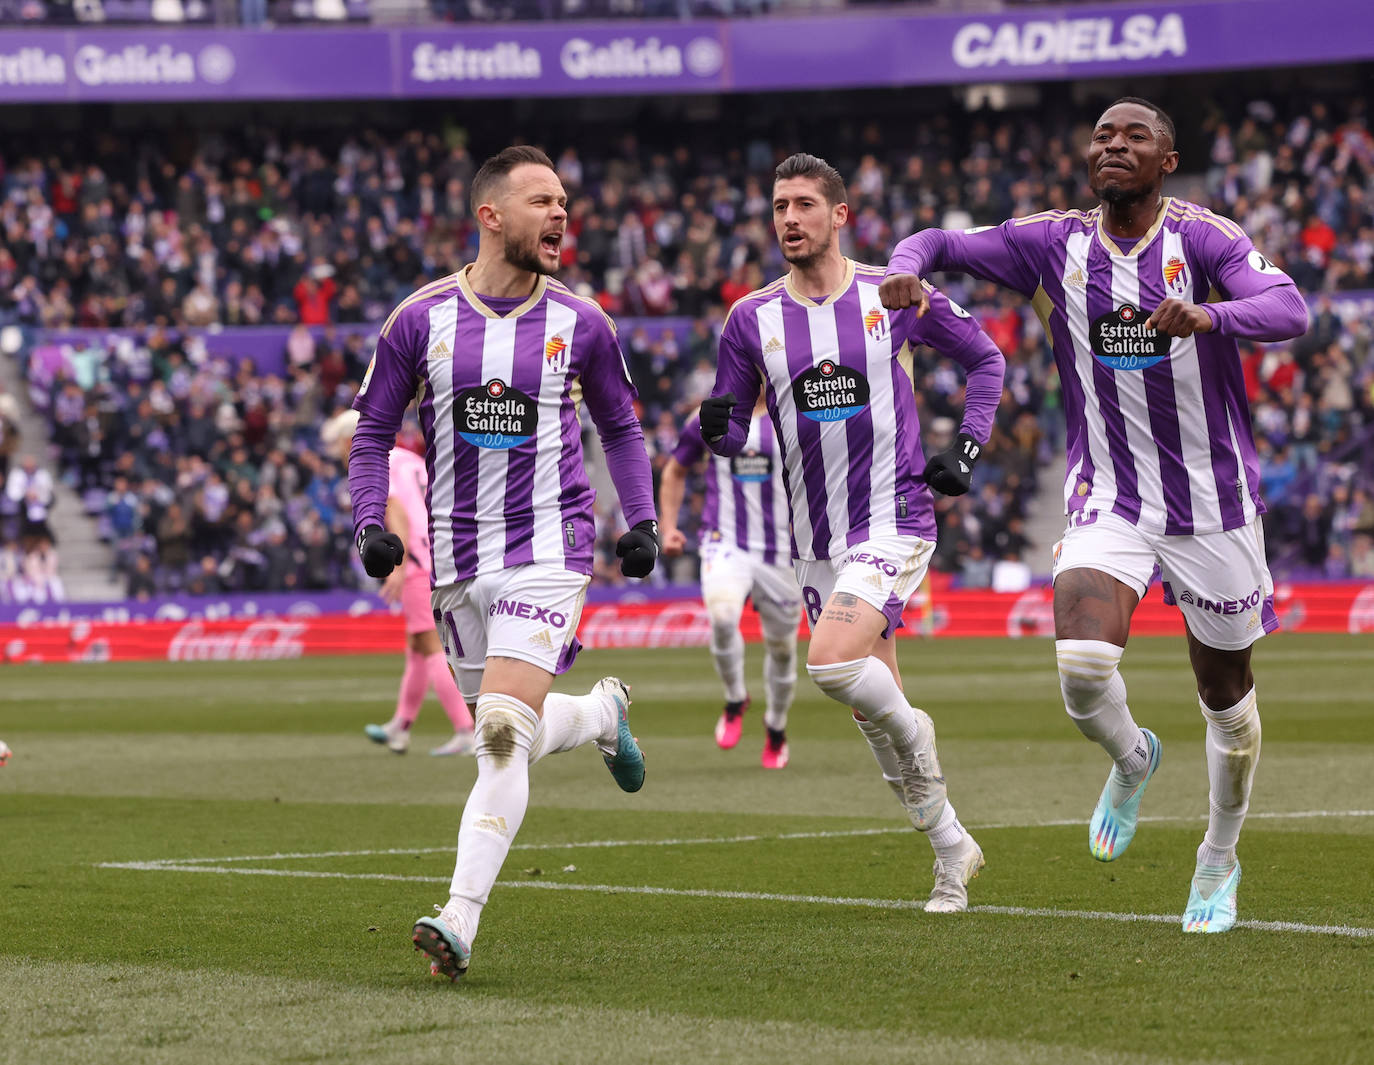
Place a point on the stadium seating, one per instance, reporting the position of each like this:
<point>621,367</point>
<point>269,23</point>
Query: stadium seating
<point>313,226</point>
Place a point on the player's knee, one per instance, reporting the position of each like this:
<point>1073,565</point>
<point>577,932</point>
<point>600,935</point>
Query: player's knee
<point>836,679</point>
<point>1086,668</point>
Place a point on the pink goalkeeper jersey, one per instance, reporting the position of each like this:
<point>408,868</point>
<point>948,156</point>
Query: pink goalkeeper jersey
<point>407,485</point>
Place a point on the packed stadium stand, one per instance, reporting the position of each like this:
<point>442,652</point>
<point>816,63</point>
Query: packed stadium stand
<point>193,301</point>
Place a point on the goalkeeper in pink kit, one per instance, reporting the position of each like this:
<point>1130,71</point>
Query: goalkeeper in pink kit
<point>426,666</point>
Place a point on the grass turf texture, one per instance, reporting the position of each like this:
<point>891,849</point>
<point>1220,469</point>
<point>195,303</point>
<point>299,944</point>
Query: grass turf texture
<point>219,763</point>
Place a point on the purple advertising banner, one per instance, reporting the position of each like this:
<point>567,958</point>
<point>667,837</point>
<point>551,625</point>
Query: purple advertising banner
<point>273,605</point>
<point>1048,43</point>
<point>590,59</point>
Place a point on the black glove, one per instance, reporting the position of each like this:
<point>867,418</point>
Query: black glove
<point>950,472</point>
<point>715,416</point>
<point>637,549</point>
<point>381,551</point>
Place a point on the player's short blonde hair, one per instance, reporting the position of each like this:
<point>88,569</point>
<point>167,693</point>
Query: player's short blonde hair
<point>338,428</point>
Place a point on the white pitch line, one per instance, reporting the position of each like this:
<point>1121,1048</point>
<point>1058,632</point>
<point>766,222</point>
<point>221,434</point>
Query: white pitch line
<point>753,896</point>
<point>701,840</point>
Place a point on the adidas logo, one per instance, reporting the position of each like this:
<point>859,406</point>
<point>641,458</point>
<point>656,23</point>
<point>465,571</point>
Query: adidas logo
<point>774,344</point>
<point>874,580</point>
<point>542,639</point>
<point>440,351</point>
<point>1076,279</point>
<point>963,466</point>
<point>491,823</point>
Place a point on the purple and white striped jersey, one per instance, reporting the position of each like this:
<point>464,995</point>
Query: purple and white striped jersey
<point>746,498</point>
<point>498,398</point>
<point>1158,427</point>
<point>837,381</point>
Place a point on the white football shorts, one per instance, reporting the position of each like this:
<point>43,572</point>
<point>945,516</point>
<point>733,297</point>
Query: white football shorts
<point>730,575</point>
<point>1220,581</point>
<point>528,612</point>
<point>883,572</point>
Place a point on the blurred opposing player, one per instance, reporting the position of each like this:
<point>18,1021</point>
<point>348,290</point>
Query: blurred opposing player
<point>745,554</point>
<point>5,753</point>
<point>500,356</point>
<point>408,584</point>
<point>1161,462</point>
<point>835,370</point>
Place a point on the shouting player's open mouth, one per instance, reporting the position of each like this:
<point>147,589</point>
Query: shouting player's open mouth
<point>551,243</point>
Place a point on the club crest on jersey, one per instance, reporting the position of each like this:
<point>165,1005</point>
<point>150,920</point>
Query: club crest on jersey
<point>495,415</point>
<point>875,323</point>
<point>830,392</point>
<point>557,353</point>
<point>751,466</point>
<point>1120,340</point>
<point>1178,279</point>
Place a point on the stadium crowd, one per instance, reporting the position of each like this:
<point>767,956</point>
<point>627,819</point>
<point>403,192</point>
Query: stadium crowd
<point>207,475</point>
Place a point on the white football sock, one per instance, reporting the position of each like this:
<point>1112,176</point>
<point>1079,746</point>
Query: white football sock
<point>867,685</point>
<point>727,651</point>
<point>947,837</point>
<point>1233,748</point>
<point>573,720</point>
<point>495,807</point>
<point>1095,698</point>
<point>780,681</point>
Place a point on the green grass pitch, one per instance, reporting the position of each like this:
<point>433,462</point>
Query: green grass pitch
<point>209,863</point>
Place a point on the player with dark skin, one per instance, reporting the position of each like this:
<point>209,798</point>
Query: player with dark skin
<point>1130,155</point>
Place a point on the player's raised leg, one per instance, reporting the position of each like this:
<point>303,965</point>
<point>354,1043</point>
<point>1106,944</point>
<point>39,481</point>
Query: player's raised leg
<point>1092,617</point>
<point>851,662</point>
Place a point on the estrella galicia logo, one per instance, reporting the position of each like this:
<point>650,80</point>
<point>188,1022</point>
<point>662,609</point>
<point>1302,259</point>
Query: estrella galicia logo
<point>830,392</point>
<point>495,415</point>
<point>751,466</point>
<point>1121,340</point>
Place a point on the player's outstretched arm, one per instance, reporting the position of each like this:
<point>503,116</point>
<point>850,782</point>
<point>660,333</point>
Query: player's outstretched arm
<point>1003,254</point>
<point>1278,313</point>
<point>1261,302</point>
<point>952,332</point>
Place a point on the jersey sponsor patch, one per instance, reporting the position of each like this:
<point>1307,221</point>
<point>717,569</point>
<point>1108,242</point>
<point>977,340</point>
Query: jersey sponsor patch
<point>1120,340</point>
<point>830,392</point>
<point>495,415</point>
<point>751,466</point>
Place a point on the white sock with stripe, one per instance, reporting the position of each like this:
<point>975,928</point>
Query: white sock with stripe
<point>1095,698</point>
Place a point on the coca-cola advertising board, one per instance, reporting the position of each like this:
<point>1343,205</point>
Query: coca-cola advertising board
<point>59,636</point>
